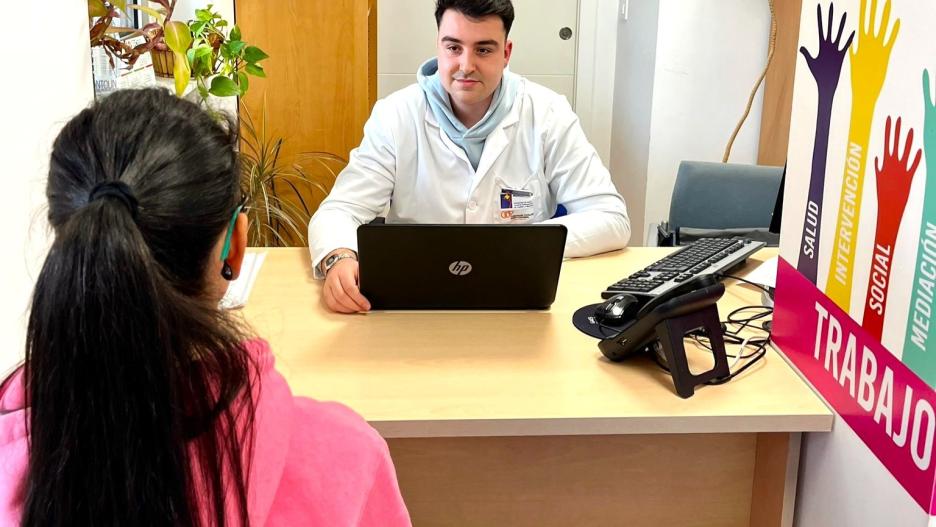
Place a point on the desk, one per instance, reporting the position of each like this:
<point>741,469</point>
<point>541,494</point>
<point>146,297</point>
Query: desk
<point>515,418</point>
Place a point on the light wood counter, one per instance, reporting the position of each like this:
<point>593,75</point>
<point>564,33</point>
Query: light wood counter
<point>429,374</point>
<point>469,401</point>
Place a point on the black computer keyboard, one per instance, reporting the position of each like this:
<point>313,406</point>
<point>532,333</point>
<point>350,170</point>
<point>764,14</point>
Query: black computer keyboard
<point>704,256</point>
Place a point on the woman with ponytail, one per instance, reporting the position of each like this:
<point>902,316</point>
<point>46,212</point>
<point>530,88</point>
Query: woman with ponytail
<point>140,402</point>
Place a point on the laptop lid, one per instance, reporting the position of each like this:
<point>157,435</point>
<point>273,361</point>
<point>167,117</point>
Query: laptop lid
<point>460,266</point>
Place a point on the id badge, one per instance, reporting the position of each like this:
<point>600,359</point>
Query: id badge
<point>516,204</point>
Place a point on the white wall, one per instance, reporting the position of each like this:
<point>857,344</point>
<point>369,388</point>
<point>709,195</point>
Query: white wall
<point>406,36</point>
<point>185,10</point>
<point>595,60</point>
<point>44,93</point>
<point>633,100</point>
<point>708,54</point>
<point>834,487</point>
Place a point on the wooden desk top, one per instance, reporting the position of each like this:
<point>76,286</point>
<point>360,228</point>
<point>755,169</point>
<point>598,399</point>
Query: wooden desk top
<point>428,374</point>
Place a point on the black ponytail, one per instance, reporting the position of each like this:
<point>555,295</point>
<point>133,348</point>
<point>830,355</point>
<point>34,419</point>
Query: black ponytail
<point>138,386</point>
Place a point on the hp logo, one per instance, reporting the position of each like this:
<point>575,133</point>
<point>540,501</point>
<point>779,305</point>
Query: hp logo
<point>460,268</point>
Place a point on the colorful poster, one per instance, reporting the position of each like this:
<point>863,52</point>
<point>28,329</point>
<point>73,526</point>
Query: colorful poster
<point>857,277</point>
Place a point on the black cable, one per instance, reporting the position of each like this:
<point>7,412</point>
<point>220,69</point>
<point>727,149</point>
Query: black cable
<point>746,323</point>
<point>734,337</point>
<point>723,380</point>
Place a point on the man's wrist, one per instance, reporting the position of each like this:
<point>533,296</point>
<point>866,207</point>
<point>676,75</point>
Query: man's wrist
<point>334,257</point>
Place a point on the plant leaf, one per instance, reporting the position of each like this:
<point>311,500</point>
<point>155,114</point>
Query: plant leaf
<point>96,8</point>
<point>201,59</point>
<point>235,34</point>
<point>255,70</point>
<point>243,82</point>
<point>178,37</point>
<point>120,4</point>
<point>223,87</point>
<point>236,47</point>
<point>226,51</point>
<point>99,28</point>
<point>197,28</point>
<point>158,14</point>
<point>254,54</point>
<point>180,72</point>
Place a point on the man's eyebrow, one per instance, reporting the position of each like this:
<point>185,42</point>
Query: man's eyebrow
<point>489,42</point>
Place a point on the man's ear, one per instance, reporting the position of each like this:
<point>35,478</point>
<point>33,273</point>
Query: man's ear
<point>508,49</point>
<point>238,245</point>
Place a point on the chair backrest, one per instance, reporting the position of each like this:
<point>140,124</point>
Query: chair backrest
<point>724,196</point>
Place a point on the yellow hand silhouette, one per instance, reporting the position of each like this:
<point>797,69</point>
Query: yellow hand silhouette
<point>869,59</point>
<point>871,54</point>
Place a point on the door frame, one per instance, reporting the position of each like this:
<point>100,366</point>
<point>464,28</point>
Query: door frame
<point>594,71</point>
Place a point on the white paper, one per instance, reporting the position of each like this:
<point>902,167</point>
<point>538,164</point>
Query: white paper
<point>765,274</point>
<point>239,290</point>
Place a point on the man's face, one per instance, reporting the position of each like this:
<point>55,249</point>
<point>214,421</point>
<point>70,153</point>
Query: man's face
<point>472,57</point>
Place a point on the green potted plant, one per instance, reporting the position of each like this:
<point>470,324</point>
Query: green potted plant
<point>220,60</point>
<point>281,196</point>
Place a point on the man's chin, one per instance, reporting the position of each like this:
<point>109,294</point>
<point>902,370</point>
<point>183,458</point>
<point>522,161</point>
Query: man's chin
<point>467,97</point>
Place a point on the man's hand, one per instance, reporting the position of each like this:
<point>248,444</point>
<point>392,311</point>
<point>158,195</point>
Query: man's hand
<point>341,290</point>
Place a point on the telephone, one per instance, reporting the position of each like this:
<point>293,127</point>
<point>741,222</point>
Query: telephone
<point>661,325</point>
<point>640,332</point>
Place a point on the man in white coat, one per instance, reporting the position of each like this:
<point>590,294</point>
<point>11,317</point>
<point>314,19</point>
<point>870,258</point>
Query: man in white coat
<point>471,142</point>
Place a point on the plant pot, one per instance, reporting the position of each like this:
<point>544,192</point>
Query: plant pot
<point>163,62</point>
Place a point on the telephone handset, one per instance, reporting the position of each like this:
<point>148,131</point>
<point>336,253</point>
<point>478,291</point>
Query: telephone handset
<point>697,282</point>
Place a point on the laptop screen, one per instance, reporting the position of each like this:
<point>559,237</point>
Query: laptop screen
<point>460,266</point>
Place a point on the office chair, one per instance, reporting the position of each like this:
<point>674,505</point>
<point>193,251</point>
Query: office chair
<point>731,199</point>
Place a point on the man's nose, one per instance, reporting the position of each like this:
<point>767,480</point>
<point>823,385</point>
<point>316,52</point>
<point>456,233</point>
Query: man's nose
<point>467,63</point>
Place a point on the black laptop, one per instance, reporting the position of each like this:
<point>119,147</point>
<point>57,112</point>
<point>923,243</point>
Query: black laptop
<point>460,266</point>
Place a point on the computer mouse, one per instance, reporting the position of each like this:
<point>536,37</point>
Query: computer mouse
<point>617,308</point>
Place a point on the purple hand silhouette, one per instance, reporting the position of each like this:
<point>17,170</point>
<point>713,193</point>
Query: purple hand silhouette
<point>826,66</point>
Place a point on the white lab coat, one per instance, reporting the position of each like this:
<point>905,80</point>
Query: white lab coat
<point>407,162</point>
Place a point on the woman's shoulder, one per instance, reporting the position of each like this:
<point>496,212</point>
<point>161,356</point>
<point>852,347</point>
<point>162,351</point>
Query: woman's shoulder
<point>330,446</point>
<point>327,424</point>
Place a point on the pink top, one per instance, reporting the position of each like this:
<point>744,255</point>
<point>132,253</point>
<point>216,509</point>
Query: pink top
<point>314,463</point>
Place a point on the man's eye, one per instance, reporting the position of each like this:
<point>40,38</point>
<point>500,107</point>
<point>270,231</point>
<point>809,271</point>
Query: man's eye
<point>484,51</point>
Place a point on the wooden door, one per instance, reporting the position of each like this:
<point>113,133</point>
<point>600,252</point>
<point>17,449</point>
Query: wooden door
<point>778,87</point>
<point>321,75</point>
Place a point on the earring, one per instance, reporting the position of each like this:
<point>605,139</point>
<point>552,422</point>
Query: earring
<point>226,272</point>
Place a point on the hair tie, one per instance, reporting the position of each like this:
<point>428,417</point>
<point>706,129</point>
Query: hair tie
<point>119,190</point>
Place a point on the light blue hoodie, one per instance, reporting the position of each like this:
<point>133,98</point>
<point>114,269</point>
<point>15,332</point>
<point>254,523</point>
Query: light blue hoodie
<point>471,140</point>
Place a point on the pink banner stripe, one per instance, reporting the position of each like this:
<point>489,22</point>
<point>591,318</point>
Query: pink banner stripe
<point>883,401</point>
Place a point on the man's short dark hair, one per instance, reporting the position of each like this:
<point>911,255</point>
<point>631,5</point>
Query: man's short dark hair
<point>477,9</point>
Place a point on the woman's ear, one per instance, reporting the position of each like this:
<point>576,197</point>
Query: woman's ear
<point>238,245</point>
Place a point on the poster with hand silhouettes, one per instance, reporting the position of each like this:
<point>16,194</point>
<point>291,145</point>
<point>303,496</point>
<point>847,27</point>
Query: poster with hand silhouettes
<point>854,308</point>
